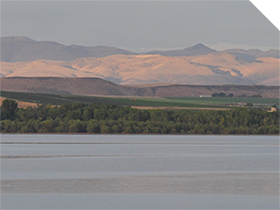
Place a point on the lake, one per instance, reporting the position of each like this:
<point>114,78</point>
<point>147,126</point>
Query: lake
<point>139,172</point>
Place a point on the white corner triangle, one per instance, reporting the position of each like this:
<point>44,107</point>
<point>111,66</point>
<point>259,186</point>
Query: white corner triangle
<point>270,9</point>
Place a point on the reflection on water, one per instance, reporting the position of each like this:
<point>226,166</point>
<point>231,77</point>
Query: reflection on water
<point>137,165</point>
<point>229,183</point>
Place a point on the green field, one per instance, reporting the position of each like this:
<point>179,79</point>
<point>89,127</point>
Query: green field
<point>212,102</point>
<point>226,101</point>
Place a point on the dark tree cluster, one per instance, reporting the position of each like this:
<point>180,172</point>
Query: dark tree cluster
<point>102,118</point>
<point>221,94</point>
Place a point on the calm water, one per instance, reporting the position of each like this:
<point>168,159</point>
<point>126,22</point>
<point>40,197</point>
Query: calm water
<point>139,172</point>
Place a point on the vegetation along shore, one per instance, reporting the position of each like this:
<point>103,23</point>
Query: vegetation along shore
<point>117,119</point>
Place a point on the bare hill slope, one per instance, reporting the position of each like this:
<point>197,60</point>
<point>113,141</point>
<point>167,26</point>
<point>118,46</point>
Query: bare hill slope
<point>216,68</point>
<point>96,86</point>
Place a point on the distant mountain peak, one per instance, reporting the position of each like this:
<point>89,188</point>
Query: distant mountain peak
<point>198,49</point>
<point>199,45</point>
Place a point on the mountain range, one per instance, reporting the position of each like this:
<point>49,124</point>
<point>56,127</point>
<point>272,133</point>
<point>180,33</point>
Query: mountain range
<point>196,65</point>
<point>20,48</point>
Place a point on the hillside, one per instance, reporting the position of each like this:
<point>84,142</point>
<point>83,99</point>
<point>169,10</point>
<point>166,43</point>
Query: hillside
<point>216,68</point>
<point>96,86</point>
<point>196,65</point>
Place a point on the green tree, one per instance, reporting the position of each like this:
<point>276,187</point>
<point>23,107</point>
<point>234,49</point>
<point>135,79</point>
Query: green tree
<point>93,126</point>
<point>8,109</point>
<point>249,104</point>
<point>77,126</point>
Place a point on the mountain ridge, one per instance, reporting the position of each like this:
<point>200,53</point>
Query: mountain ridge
<point>198,49</point>
<point>196,65</point>
<point>20,48</point>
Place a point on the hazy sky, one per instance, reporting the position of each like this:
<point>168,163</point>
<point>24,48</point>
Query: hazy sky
<point>141,25</point>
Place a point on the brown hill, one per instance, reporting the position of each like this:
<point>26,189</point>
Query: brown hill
<point>216,68</point>
<point>96,86</point>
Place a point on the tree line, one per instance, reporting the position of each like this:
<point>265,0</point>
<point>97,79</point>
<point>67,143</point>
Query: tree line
<point>104,118</point>
<point>230,95</point>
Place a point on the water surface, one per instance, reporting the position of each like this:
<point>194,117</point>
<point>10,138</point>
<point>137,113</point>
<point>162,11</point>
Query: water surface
<point>139,172</point>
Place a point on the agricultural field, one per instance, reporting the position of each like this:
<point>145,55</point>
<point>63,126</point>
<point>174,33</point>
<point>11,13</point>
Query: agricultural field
<point>230,101</point>
<point>188,102</point>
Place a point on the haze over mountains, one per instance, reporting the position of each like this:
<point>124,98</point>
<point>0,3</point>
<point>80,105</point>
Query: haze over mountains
<point>197,65</point>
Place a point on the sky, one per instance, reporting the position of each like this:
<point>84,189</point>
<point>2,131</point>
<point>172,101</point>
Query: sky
<point>141,26</point>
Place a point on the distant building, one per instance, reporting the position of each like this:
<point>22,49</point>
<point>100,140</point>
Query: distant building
<point>273,109</point>
<point>241,104</point>
<point>205,96</point>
